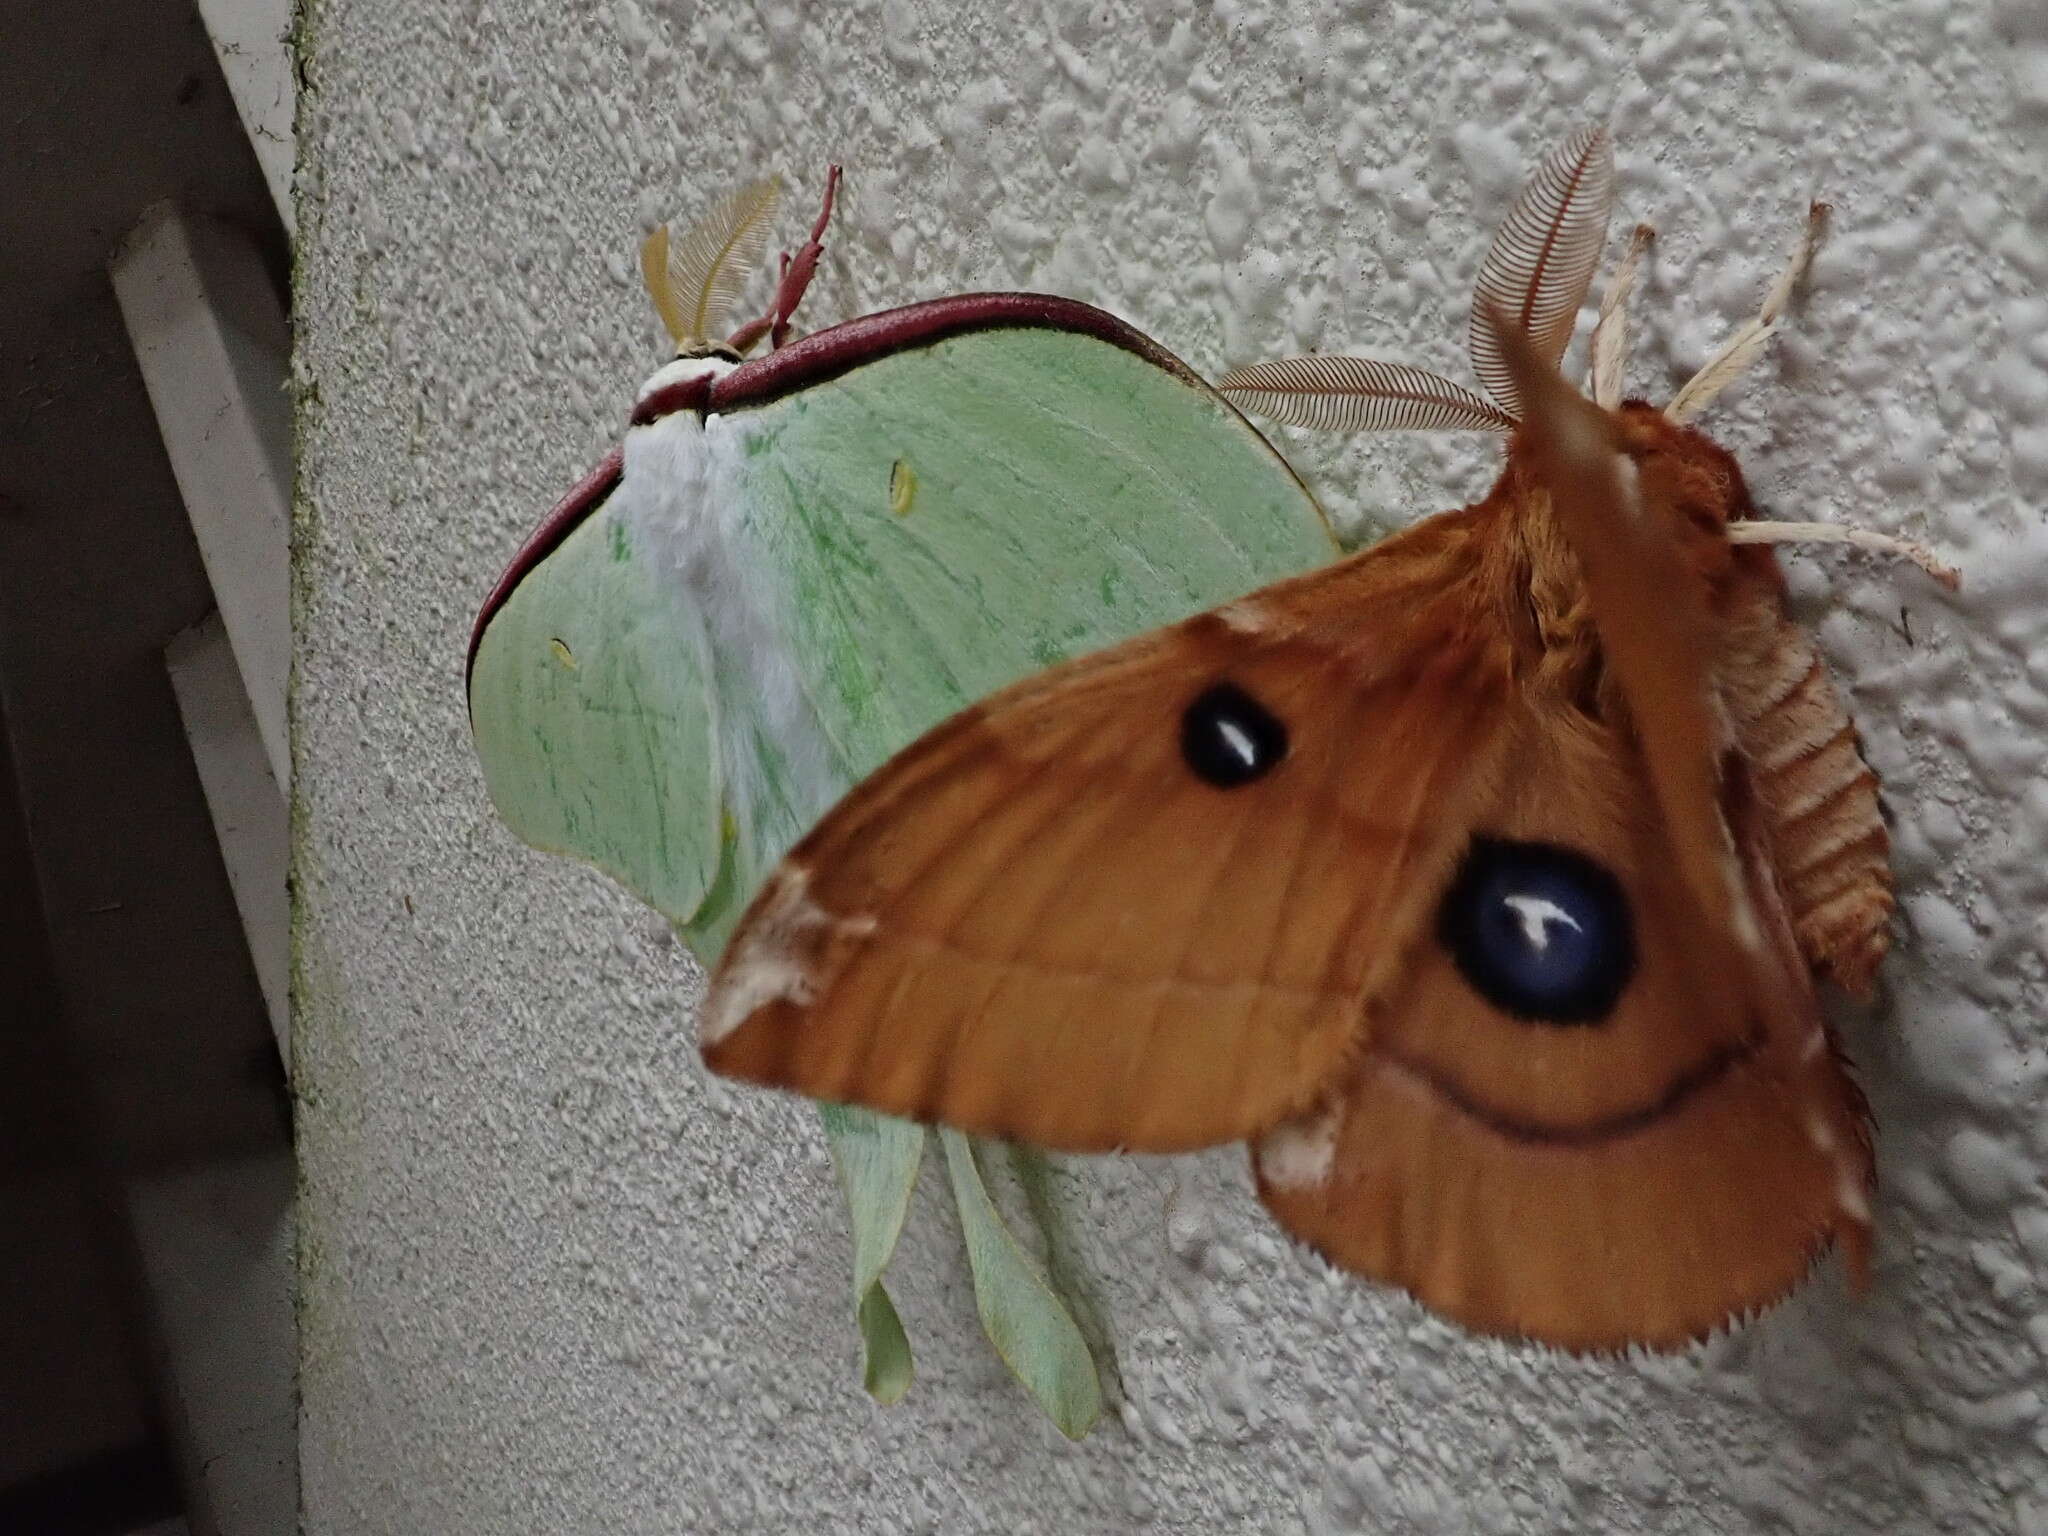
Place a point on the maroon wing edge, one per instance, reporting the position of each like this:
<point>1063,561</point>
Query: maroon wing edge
<point>819,357</point>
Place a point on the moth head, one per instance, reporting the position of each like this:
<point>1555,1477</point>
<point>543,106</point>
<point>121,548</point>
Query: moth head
<point>1676,479</point>
<point>1687,481</point>
<point>683,385</point>
<point>1696,475</point>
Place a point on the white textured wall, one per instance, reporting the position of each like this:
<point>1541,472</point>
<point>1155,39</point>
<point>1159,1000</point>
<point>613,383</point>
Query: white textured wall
<point>555,1281</point>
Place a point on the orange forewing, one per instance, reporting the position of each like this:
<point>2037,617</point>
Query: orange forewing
<point>1638,548</point>
<point>1653,625</point>
<point>1036,922</point>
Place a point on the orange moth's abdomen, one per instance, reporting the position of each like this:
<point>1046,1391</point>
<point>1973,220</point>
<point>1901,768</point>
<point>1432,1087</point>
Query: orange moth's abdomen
<point>1819,797</point>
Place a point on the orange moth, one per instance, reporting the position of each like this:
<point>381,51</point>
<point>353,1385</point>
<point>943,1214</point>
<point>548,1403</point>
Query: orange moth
<point>1479,880</point>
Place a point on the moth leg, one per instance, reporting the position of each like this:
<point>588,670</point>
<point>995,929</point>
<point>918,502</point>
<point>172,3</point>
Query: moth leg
<point>792,281</point>
<point>1741,349</point>
<point>1747,532</point>
<point>1610,334</point>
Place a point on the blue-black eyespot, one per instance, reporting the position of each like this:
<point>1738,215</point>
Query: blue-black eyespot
<point>1228,738</point>
<point>1541,932</point>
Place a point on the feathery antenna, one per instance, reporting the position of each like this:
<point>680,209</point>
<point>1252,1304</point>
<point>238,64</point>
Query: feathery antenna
<point>696,281</point>
<point>1357,394</point>
<point>1542,260</point>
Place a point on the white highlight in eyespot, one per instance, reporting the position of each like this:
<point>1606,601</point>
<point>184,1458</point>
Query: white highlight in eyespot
<point>769,960</point>
<point>1234,737</point>
<point>1301,1153</point>
<point>1537,913</point>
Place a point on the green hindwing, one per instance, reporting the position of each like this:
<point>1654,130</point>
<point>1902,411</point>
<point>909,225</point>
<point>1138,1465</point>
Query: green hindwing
<point>810,562</point>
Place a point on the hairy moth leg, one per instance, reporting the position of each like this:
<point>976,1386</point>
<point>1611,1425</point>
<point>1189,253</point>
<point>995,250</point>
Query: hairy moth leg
<point>793,280</point>
<point>1758,532</point>
<point>1741,349</point>
<point>1610,334</point>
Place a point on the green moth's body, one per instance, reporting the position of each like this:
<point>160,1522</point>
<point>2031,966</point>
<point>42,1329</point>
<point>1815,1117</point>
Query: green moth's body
<point>802,563</point>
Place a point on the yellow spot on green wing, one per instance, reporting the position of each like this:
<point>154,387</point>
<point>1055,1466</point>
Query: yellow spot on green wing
<point>902,487</point>
<point>563,654</point>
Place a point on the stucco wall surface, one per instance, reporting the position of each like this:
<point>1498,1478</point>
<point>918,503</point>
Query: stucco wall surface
<point>557,1281</point>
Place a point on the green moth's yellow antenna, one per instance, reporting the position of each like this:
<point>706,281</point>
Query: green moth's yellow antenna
<point>696,280</point>
<point>654,273</point>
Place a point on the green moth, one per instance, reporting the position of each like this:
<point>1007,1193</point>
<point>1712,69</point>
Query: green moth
<point>793,566</point>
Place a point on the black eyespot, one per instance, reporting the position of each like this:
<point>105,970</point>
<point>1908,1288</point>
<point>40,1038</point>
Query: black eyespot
<point>1540,932</point>
<point>1229,738</point>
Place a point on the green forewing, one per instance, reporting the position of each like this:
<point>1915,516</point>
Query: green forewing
<point>944,521</point>
<point>593,721</point>
<point>952,518</point>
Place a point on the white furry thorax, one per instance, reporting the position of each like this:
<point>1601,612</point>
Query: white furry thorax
<point>682,496</point>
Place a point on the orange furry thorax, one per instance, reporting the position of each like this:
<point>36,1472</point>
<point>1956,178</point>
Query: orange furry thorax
<point>1529,586</point>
